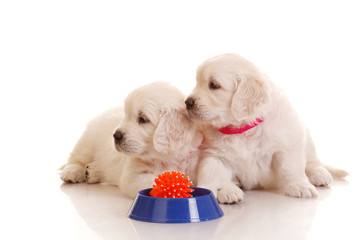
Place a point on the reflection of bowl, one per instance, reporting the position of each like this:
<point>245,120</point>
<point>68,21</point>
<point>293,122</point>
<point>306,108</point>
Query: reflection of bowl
<point>201,207</point>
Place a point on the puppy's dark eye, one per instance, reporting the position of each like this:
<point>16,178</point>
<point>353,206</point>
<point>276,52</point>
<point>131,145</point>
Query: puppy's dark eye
<point>214,85</point>
<point>142,120</point>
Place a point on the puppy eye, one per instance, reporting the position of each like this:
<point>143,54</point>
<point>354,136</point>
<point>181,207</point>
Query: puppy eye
<point>214,85</point>
<point>142,120</point>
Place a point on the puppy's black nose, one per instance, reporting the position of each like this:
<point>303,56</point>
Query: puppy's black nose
<point>190,102</point>
<point>118,136</point>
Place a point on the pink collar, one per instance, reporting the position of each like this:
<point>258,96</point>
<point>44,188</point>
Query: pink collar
<point>231,130</point>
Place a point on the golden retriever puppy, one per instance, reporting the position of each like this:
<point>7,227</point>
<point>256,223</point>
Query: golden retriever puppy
<point>130,146</point>
<point>252,136</point>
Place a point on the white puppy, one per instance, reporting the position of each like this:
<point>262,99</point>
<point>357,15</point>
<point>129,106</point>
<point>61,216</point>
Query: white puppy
<point>253,137</point>
<point>154,135</point>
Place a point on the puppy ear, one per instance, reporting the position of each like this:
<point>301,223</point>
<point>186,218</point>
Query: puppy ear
<point>251,93</point>
<point>172,132</point>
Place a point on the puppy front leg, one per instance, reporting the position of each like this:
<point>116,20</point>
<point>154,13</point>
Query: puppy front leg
<point>74,170</point>
<point>136,183</point>
<point>214,175</point>
<point>135,177</point>
<point>292,180</point>
<point>93,173</point>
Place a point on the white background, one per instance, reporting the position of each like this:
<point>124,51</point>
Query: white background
<point>62,62</point>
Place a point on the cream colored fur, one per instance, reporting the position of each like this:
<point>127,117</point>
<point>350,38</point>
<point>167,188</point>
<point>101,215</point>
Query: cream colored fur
<point>277,154</point>
<point>167,141</point>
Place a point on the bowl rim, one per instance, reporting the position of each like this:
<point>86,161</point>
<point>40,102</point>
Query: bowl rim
<point>208,192</point>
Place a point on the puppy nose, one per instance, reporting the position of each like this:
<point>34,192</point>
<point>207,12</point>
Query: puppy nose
<point>118,136</point>
<point>190,102</point>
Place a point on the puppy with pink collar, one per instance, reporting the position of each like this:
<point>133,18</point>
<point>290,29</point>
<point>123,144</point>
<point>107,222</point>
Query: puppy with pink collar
<point>253,137</point>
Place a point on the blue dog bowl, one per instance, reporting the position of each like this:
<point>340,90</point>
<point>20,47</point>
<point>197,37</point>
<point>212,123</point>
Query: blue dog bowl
<point>201,207</point>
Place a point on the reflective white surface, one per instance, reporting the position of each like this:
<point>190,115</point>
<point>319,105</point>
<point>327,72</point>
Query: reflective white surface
<point>36,204</point>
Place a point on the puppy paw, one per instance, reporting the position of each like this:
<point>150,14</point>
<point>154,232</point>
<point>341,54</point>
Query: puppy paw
<point>73,173</point>
<point>301,190</point>
<point>92,174</point>
<point>230,194</point>
<point>319,176</point>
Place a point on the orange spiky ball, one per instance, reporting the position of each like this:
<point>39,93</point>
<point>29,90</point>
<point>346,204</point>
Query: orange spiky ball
<point>172,185</point>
